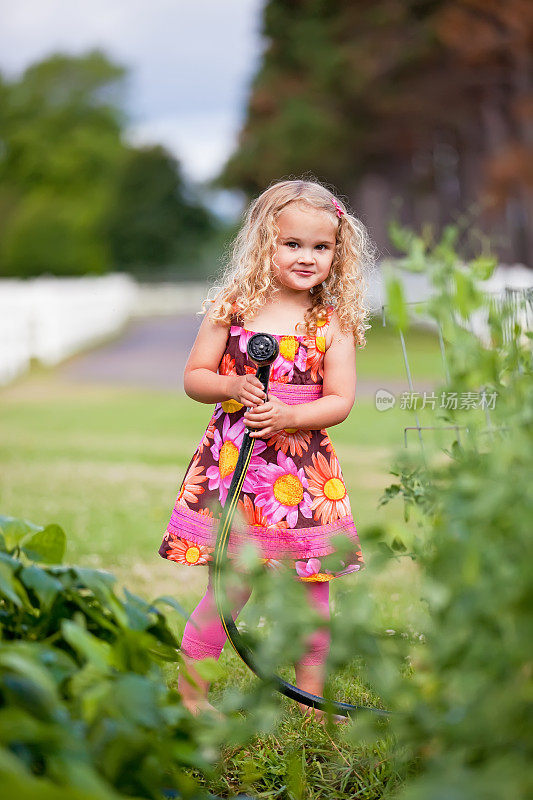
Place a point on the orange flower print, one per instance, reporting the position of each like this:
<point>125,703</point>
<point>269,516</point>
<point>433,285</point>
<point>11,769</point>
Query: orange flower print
<point>254,515</point>
<point>296,440</point>
<point>326,442</point>
<point>185,552</point>
<point>206,512</point>
<point>326,484</point>
<point>316,347</point>
<point>191,484</point>
<point>227,365</point>
<point>273,563</point>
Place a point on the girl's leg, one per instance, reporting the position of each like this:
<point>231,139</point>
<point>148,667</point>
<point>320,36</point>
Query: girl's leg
<point>318,642</point>
<point>311,668</point>
<point>204,636</point>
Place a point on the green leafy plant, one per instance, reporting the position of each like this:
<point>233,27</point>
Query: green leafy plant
<point>84,704</point>
<point>467,702</point>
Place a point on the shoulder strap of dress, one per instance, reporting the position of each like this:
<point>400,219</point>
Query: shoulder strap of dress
<point>235,314</point>
<point>329,311</point>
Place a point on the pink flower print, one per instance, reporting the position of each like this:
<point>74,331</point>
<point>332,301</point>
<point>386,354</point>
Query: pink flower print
<point>218,411</point>
<point>225,451</point>
<point>280,491</point>
<point>307,568</point>
<point>291,353</point>
<point>243,335</point>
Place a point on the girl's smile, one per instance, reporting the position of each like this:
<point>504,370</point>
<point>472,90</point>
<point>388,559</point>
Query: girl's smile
<point>305,249</point>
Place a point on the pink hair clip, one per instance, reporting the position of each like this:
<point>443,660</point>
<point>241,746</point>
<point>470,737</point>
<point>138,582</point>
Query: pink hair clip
<point>340,212</point>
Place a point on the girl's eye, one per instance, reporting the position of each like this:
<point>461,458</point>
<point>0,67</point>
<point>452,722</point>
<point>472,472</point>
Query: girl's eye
<point>291,243</point>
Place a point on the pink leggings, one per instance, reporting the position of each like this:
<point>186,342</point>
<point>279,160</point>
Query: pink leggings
<point>204,635</point>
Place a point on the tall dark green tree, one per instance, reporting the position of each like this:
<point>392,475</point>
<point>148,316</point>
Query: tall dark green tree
<point>426,101</point>
<point>152,222</point>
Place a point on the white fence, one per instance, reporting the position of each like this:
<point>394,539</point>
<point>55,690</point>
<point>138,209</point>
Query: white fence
<point>50,318</point>
<point>417,288</point>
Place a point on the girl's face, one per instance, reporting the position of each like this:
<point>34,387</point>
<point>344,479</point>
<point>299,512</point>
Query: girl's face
<point>305,247</point>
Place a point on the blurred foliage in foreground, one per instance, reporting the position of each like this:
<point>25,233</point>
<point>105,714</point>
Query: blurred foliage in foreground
<point>467,705</point>
<point>83,703</point>
<point>74,197</point>
<point>85,708</point>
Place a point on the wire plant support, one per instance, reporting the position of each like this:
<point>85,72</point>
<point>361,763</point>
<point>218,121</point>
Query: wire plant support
<point>513,305</point>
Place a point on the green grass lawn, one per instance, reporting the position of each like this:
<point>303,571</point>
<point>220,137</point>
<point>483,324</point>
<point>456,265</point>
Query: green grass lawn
<point>106,464</point>
<point>383,356</point>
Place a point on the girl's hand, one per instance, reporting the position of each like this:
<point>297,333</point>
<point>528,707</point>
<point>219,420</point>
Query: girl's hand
<point>268,418</point>
<point>248,390</point>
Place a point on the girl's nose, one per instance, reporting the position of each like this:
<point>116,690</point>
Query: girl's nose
<point>306,256</point>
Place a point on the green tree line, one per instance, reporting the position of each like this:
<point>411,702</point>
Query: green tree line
<point>75,198</point>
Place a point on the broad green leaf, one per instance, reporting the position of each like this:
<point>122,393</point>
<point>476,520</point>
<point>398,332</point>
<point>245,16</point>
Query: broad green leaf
<point>46,546</point>
<point>467,297</point>
<point>137,699</point>
<point>396,307</point>
<point>88,646</point>
<point>483,267</point>
<point>400,237</point>
<point>101,583</point>
<point>14,530</point>
<point>172,602</point>
<point>8,585</point>
<point>45,586</point>
<point>37,685</point>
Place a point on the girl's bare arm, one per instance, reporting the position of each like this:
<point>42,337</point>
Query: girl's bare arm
<point>201,380</point>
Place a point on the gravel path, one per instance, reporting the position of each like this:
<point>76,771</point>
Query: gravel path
<point>149,353</point>
<point>153,352</point>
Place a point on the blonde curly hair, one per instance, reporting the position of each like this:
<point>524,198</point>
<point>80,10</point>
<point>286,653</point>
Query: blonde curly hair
<point>247,279</point>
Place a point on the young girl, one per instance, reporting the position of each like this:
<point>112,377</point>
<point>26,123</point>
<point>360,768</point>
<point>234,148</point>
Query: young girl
<point>298,273</point>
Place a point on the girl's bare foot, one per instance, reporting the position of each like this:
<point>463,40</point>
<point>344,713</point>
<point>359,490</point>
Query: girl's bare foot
<point>202,706</point>
<point>194,689</point>
<point>321,716</point>
<point>310,678</point>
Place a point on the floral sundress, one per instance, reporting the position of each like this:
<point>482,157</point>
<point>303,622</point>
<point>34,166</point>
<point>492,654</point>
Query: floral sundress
<point>293,499</point>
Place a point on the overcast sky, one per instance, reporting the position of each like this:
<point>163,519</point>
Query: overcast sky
<point>191,63</point>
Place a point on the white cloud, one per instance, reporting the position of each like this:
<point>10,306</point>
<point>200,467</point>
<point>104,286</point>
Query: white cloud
<point>201,142</point>
<point>191,63</point>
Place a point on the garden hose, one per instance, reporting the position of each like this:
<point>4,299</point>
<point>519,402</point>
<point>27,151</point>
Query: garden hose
<point>263,350</point>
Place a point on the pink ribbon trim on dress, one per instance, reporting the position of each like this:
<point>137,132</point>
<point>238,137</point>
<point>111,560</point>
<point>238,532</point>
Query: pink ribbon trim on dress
<point>297,543</point>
